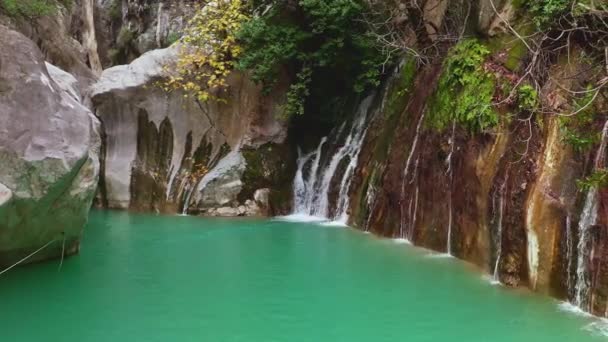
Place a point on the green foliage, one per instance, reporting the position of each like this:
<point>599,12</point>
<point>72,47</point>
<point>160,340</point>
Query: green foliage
<point>465,90</point>
<point>267,46</point>
<point>598,179</point>
<point>326,37</point>
<point>115,11</point>
<point>32,8</point>
<point>579,130</point>
<point>527,98</point>
<point>545,12</point>
<point>298,92</point>
<point>125,36</point>
<point>173,37</point>
<point>209,51</point>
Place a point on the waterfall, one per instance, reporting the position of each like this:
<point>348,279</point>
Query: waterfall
<point>448,161</point>
<point>189,191</point>
<point>304,187</point>
<point>501,208</point>
<point>570,253</point>
<point>588,218</point>
<point>314,177</point>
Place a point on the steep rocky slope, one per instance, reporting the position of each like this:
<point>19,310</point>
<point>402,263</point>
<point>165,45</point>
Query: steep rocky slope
<point>511,197</point>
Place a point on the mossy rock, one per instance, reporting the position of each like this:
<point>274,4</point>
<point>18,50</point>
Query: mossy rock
<point>269,166</point>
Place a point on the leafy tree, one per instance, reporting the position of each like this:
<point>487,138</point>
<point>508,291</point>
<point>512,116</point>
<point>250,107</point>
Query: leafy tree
<point>324,43</point>
<point>209,51</point>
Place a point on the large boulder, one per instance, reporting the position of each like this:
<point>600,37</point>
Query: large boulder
<point>160,146</point>
<point>49,145</point>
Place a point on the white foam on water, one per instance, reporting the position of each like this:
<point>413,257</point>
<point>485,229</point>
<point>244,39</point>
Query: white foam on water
<point>599,327</point>
<point>492,280</point>
<point>338,223</point>
<point>300,218</point>
<point>573,309</point>
<point>439,256</point>
<point>401,241</point>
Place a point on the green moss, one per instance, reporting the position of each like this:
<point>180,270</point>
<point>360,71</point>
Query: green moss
<point>400,89</point>
<point>397,99</point>
<point>465,91</point>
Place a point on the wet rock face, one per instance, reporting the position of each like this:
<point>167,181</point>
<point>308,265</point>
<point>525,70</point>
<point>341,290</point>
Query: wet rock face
<point>166,152</point>
<point>49,144</point>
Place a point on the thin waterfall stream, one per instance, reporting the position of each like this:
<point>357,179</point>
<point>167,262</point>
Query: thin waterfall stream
<point>501,208</point>
<point>588,218</point>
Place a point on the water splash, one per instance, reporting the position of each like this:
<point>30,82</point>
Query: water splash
<point>311,189</point>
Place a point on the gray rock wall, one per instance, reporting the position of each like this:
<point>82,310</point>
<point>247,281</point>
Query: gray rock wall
<point>162,148</point>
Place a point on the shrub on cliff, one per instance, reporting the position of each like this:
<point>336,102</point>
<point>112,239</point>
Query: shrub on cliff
<point>465,92</point>
<point>210,50</point>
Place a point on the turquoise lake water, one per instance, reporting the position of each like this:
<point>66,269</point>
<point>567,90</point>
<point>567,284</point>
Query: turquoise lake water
<point>155,278</point>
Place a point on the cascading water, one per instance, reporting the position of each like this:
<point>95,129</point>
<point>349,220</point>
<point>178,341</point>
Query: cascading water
<point>406,171</point>
<point>588,218</point>
<point>449,171</point>
<point>570,252</point>
<point>501,208</point>
<point>313,180</point>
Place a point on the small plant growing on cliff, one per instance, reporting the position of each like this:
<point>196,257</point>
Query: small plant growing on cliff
<point>527,98</point>
<point>209,51</point>
<point>465,90</point>
<point>598,179</point>
<point>546,11</point>
<point>578,129</point>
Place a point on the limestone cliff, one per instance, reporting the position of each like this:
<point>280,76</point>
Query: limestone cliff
<point>169,152</point>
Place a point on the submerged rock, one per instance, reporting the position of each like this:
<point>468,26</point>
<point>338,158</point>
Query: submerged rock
<point>49,145</point>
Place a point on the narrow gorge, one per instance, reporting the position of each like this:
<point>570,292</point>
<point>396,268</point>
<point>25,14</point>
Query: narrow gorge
<point>476,129</point>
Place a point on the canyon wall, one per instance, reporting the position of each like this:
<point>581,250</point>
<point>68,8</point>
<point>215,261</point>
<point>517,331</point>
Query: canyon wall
<point>509,198</point>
